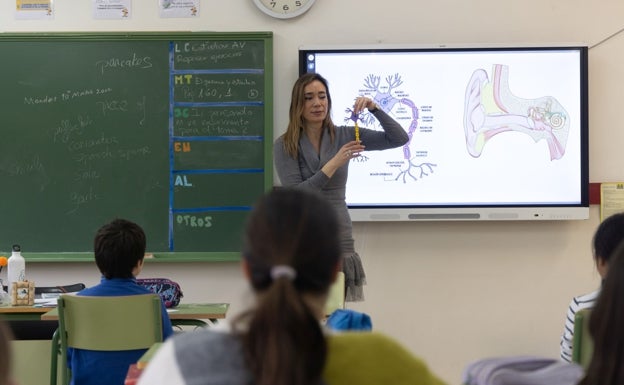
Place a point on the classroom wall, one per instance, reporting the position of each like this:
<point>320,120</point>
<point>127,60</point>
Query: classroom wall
<point>453,292</point>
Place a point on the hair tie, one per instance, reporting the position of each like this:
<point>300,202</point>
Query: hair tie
<point>279,271</point>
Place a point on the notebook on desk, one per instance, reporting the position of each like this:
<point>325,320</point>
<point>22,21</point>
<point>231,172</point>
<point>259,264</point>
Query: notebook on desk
<point>46,302</point>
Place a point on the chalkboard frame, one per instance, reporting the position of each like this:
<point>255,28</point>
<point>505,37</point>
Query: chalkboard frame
<point>175,256</point>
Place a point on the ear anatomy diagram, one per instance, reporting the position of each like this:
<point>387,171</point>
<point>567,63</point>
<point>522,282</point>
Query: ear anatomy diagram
<point>490,109</point>
<point>396,102</point>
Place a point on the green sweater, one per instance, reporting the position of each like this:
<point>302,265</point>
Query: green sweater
<point>372,358</point>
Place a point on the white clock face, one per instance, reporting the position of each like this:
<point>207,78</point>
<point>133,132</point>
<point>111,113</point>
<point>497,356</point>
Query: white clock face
<point>284,9</point>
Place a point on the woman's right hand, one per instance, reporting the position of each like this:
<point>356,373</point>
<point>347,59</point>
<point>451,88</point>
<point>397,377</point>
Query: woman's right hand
<point>345,154</point>
<point>349,151</point>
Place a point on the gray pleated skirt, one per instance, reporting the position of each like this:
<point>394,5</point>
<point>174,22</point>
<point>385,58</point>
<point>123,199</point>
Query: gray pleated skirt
<point>355,278</point>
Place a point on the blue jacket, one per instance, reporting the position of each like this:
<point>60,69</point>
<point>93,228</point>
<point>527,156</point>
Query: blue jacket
<point>346,319</point>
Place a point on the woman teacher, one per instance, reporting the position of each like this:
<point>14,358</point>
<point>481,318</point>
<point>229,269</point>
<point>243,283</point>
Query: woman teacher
<point>314,154</point>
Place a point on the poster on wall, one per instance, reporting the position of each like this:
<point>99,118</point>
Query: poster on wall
<point>34,9</point>
<point>112,9</point>
<point>611,199</point>
<point>178,8</point>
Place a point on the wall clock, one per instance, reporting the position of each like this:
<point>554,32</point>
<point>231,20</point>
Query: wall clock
<point>284,9</point>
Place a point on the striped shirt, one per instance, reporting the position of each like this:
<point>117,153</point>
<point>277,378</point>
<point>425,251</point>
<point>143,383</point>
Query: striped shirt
<point>577,303</point>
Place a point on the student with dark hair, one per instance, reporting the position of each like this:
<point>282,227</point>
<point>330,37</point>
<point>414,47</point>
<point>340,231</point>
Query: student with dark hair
<point>291,256</point>
<point>605,328</point>
<point>607,237</point>
<point>314,154</point>
<point>119,248</point>
<point>6,377</point>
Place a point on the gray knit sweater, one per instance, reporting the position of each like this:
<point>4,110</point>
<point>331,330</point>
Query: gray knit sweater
<point>305,171</point>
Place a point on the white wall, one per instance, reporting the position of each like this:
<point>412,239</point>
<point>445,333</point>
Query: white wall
<point>452,292</point>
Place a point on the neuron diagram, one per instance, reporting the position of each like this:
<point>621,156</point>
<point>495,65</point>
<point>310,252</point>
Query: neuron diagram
<point>396,102</point>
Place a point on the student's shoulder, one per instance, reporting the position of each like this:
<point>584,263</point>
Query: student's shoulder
<point>375,358</point>
<point>205,336</point>
<point>363,343</point>
<point>584,301</point>
<point>207,351</point>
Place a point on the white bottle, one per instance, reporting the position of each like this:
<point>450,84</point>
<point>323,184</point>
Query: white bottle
<point>16,267</point>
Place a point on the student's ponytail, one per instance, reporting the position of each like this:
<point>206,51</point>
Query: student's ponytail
<point>284,344</point>
<point>291,252</point>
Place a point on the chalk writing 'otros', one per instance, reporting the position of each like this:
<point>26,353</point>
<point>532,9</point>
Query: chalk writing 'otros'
<point>117,63</point>
<point>188,220</point>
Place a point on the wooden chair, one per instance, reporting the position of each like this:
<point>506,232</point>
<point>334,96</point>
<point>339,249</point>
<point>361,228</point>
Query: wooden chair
<point>582,343</point>
<point>104,323</point>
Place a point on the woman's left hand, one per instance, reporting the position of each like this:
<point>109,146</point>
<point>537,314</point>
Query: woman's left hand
<point>362,102</point>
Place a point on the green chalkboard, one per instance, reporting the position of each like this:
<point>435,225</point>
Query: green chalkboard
<point>170,130</point>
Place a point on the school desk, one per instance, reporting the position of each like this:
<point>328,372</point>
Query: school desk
<point>192,314</point>
<point>22,313</point>
<point>185,314</point>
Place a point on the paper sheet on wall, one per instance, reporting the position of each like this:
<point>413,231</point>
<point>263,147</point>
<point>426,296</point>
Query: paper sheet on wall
<point>34,9</point>
<point>178,8</point>
<point>112,9</point>
<point>611,199</point>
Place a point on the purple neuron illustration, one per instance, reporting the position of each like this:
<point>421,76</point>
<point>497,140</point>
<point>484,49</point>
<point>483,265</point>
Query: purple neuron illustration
<point>383,95</point>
